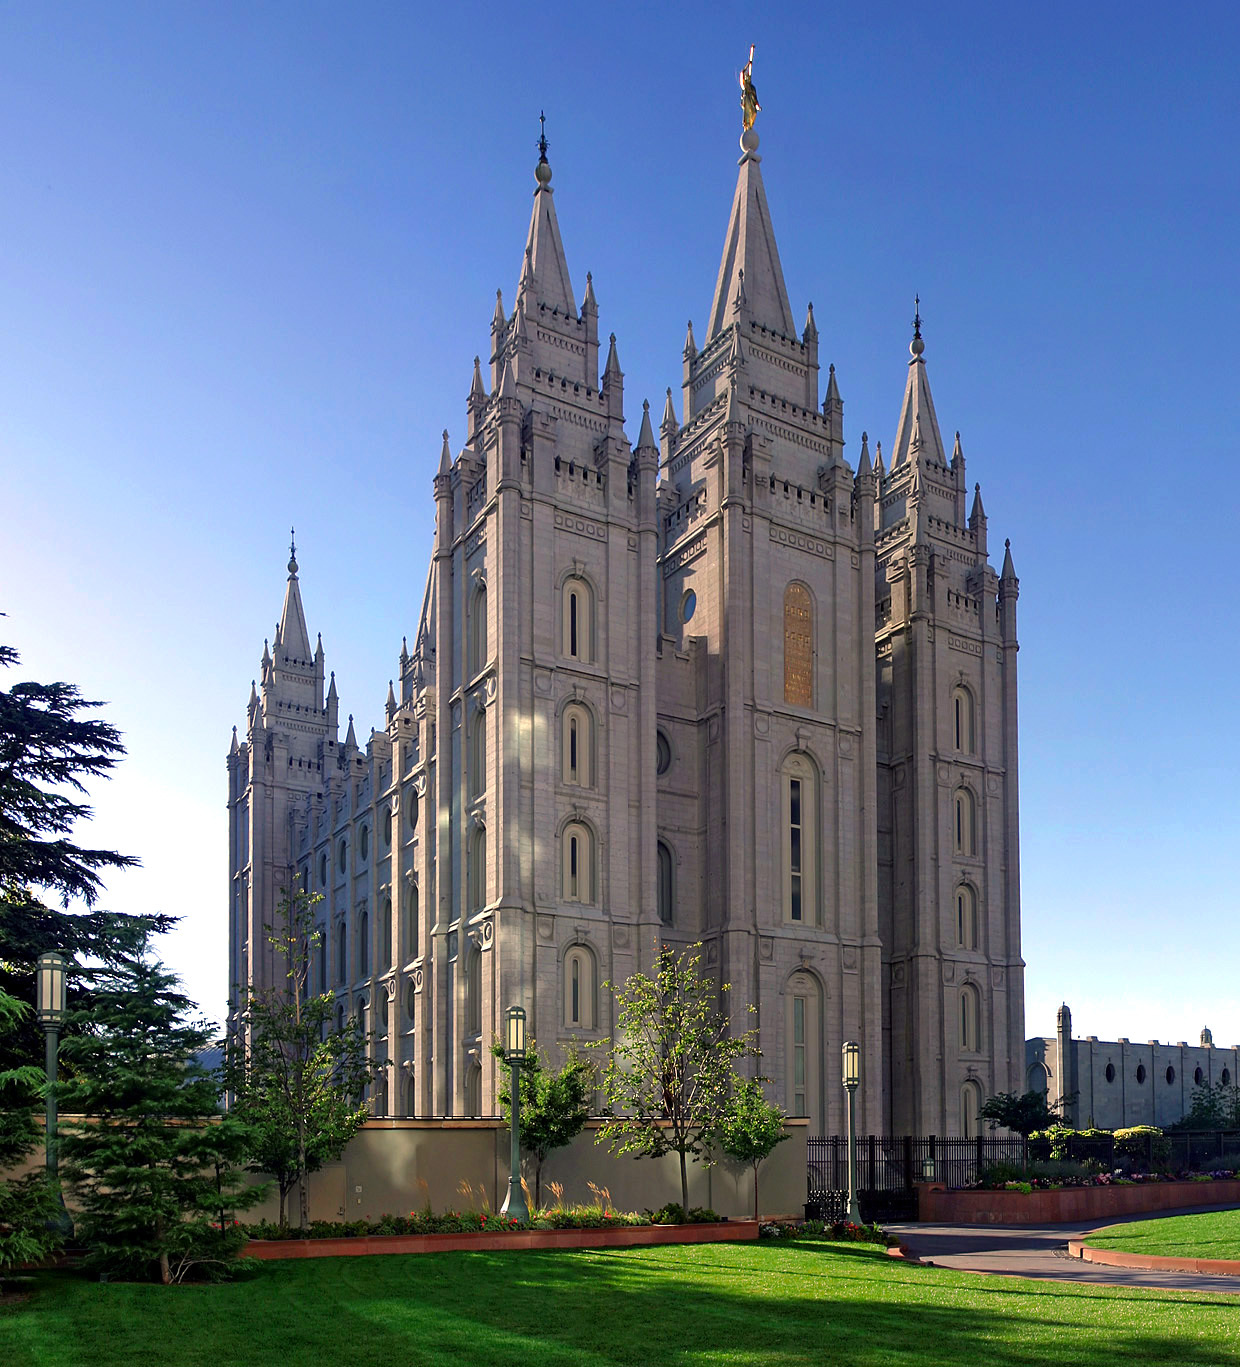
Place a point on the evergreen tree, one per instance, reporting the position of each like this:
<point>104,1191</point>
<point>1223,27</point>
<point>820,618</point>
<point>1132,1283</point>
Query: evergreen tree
<point>156,1170</point>
<point>555,1104</point>
<point>48,752</point>
<point>297,1080</point>
<point>750,1129</point>
<point>670,1071</point>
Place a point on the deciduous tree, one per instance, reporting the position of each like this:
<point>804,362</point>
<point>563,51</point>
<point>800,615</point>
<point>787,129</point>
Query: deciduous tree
<point>670,1069</point>
<point>555,1104</point>
<point>750,1128</point>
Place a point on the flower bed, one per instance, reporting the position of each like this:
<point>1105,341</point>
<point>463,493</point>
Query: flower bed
<point>1080,1203</point>
<point>499,1235</point>
<point>841,1232</point>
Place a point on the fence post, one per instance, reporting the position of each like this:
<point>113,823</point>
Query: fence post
<point>934,1159</point>
<point>979,1153</point>
<point>1024,1152</point>
<point>908,1162</point>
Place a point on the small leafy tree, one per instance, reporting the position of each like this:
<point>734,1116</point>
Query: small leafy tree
<point>155,1168</point>
<point>555,1104</point>
<point>1213,1107</point>
<point>1021,1114</point>
<point>750,1128</point>
<point>670,1069</point>
<point>297,1080</point>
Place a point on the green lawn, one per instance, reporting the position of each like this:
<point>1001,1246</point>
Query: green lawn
<point>721,1303</point>
<point>1215,1234</point>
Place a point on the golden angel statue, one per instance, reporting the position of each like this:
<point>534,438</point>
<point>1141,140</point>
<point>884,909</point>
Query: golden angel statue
<point>749,96</point>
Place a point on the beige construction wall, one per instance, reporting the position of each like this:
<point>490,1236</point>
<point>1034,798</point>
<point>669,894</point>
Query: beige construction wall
<point>395,1166</point>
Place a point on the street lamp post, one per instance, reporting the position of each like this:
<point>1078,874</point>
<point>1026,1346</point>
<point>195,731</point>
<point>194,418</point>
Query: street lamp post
<point>514,1207</point>
<point>51,999</point>
<point>852,1076</point>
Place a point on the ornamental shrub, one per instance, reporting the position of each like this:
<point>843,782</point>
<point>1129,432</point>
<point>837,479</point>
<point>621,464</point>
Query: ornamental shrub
<point>1139,1143</point>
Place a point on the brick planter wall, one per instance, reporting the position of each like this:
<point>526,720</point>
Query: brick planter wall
<point>1077,1205</point>
<point>632,1236</point>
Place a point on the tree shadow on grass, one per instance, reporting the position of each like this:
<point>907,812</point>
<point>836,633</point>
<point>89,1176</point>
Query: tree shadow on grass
<point>612,1309</point>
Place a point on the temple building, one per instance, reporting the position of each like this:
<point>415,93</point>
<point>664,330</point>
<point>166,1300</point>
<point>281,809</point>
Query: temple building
<point>716,684</point>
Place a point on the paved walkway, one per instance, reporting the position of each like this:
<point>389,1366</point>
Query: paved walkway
<point>1041,1251</point>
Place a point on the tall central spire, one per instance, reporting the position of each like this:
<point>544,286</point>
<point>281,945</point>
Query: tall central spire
<point>750,276</point>
<point>545,272</point>
<point>293,635</point>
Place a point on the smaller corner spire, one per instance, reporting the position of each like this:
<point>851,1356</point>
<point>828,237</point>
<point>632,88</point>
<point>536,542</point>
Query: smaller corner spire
<point>810,333</point>
<point>331,688</point>
<point>670,422</point>
<point>445,456</point>
<point>498,321</point>
<point>589,303</point>
<point>613,360</point>
<point>350,738</point>
<point>1008,574</point>
<point>645,438</point>
<point>690,344</point>
<point>978,513</point>
<point>477,390</point>
<point>391,701</point>
<point>507,381</point>
<point>234,747</point>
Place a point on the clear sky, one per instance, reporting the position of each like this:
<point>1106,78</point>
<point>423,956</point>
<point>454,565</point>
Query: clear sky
<point>248,252</point>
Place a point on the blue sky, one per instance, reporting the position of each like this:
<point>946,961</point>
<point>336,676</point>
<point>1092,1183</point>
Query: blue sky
<point>248,252</point>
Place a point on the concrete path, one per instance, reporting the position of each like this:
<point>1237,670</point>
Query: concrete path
<point>1042,1252</point>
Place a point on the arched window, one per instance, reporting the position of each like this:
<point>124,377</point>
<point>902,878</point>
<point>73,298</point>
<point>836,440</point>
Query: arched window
<point>340,1015</point>
<point>964,818</point>
<point>387,829</point>
<point>411,1001</point>
<point>364,842</point>
<point>578,624</point>
<point>363,943</point>
<point>1038,1079</point>
<point>473,1090</point>
<point>578,745</point>
<point>1198,1077</point>
<point>963,720</point>
<point>363,1015</point>
<point>342,856</point>
<point>411,801</point>
<point>1110,1072</point>
<point>478,868</point>
<point>966,917</point>
<point>579,989</point>
<point>799,800</point>
<point>577,845</point>
<point>804,1053</point>
<point>304,876</point>
<point>323,869</point>
<point>385,949</point>
<point>380,1103</point>
<point>478,631</point>
<point>663,753</point>
<point>798,646</point>
<point>478,755</point>
<point>411,1095</point>
<point>385,1012</point>
<point>666,901</point>
<point>342,953</point>
<point>970,1016</point>
<point>473,992</point>
<point>412,941</point>
<point>1225,1077</point>
<point>970,1108</point>
<point>321,955</point>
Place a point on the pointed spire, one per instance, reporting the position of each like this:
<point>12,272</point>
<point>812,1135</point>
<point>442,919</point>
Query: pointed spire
<point>404,651</point>
<point>545,264</point>
<point>477,390</point>
<point>234,747</point>
<point>1009,570</point>
<point>589,304</point>
<point>669,423</point>
<point>507,382</point>
<point>863,466</point>
<point>267,653</point>
<point>810,332</point>
<point>645,438</point>
<point>977,513</point>
<point>832,401</point>
<point>750,264</point>
<point>445,456</point>
<point>498,321</point>
<point>957,451</point>
<point>879,472</point>
<point>332,695</point>
<point>917,435</point>
<point>690,344</point>
<point>318,649</point>
<point>292,637</point>
<point>391,701</point>
<point>350,738</point>
<point>252,705</point>
<point>613,361</point>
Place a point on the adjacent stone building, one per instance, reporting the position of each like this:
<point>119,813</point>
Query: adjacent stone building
<point>716,685</point>
<point>1110,1084</point>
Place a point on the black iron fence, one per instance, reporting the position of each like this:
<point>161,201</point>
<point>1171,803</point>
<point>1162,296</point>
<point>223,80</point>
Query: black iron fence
<point>888,1167</point>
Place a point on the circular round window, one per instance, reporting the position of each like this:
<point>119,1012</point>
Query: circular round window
<point>1140,1072</point>
<point>1110,1072</point>
<point>688,606</point>
<point>1170,1074</point>
<point>664,750</point>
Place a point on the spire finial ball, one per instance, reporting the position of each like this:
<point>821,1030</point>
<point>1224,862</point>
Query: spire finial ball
<point>542,173</point>
<point>749,140</point>
<point>916,346</point>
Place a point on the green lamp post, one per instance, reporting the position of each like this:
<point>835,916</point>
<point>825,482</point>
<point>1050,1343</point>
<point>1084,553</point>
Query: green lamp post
<point>514,1207</point>
<point>852,1076</point>
<point>51,1002</point>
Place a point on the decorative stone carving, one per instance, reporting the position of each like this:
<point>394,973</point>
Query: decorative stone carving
<point>546,927</point>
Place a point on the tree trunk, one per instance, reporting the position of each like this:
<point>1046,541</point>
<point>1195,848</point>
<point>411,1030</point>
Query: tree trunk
<point>165,1273</point>
<point>684,1185</point>
<point>303,1194</point>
